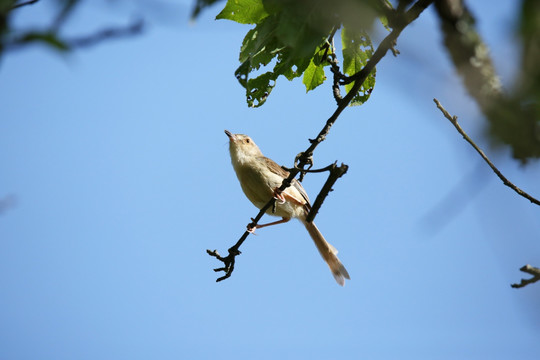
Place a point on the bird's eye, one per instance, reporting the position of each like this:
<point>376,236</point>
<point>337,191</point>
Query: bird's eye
<point>247,141</point>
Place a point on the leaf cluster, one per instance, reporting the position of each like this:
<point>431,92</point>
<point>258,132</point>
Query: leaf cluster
<point>12,38</point>
<point>294,38</point>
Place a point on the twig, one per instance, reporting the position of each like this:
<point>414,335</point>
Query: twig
<point>335,173</point>
<point>134,28</point>
<point>329,56</point>
<point>453,120</point>
<point>30,2</point>
<point>327,168</point>
<point>229,260</point>
<point>361,76</point>
<point>305,158</point>
<point>74,43</point>
<point>534,271</point>
<point>385,45</point>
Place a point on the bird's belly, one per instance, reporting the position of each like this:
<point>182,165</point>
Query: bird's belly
<point>259,190</point>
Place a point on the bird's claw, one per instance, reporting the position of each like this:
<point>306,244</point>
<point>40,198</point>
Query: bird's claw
<point>278,196</point>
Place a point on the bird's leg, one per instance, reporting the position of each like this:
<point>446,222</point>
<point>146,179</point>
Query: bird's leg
<point>251,228</point>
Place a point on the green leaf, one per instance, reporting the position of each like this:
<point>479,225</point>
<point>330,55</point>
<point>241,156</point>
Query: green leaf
<point>313,76</point>
<point>289,66</point>
<point>260,88</point>
<point>357,50</point>
<point>243,11</point>
<point>301,33</point>
<point>383,19</point>
<point>259,45</point>
<point>288,34</point>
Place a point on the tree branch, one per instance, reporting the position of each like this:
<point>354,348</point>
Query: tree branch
<point>30,2</point>
<point>50,38</point>
<point>105,34</point>
<point>335,173</point>
<point>305,158</point>
<point>534,271</point>
<point>453,120</point>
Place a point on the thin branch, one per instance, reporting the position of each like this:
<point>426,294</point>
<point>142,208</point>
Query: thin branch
<point>337,78</point>
<point>63,14</point>
<point>327,168</point>
<point>84,41</point>
<point>362,75</point>
<point>117,32</point>
<point>305,158</point>
<point>388,43</point>
<point>335,173</point>
<point>534,271</point>
<point>30,2</point>
<point>453,120</point>
<point>329,56</point>
<point>229,260</point>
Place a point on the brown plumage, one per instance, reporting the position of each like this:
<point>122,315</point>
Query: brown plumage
<point>259,177</point>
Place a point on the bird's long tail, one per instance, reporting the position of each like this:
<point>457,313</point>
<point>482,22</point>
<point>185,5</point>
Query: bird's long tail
<point>329,253</point>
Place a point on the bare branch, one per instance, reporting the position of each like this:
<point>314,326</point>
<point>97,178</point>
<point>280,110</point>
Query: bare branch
<point>453,120</point>
<point>335,173</point>
<point>534,271</point>
<point>229,260</point>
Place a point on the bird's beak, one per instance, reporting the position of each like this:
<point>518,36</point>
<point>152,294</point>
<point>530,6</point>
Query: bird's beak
<point>230,135</point>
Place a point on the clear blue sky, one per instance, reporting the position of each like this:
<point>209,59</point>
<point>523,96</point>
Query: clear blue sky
<point>117,160</point>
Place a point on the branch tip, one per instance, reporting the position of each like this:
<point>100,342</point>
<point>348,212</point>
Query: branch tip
<point>534,271</point>
<point>453,120</point>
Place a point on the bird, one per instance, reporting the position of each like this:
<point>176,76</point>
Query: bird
<point>260,179</point>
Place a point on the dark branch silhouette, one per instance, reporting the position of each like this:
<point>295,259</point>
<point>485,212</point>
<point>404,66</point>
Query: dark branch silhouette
<point>19,5</point>
<point>134,28</point>
<point>335,173</point>
<point>534,271</point>
<point>76,42</point>
<point>305,158</point>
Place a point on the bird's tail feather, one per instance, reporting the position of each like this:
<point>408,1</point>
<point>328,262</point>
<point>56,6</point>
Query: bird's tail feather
<point>329,253</point>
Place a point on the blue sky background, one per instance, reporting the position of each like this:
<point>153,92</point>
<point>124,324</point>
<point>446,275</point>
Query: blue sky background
<point>116,158</point>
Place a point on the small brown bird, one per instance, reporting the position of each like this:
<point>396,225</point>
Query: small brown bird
<point>260,177</point>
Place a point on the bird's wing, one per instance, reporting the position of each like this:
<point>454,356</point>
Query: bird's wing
<point>276,169</point>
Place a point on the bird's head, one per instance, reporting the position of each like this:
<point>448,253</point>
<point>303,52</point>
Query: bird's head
<point>242,147</point>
